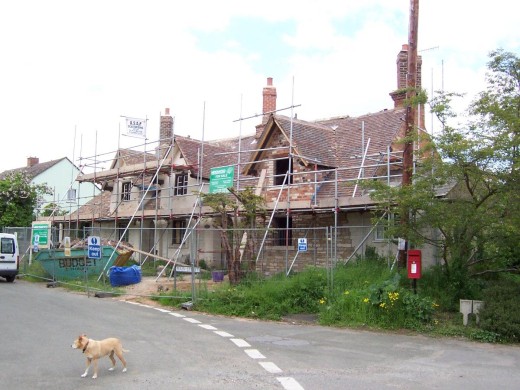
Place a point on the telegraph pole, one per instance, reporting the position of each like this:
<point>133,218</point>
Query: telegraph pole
<point>411,112</point>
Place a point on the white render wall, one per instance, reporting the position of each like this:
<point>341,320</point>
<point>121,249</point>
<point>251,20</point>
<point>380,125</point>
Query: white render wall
<point>60,177</point>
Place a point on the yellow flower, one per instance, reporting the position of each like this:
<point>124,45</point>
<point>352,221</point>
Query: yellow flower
<point>322,301</point>
<point>347,292</point>
<point>366,300</point>
<point>382,305</point>
<point>393,296</point>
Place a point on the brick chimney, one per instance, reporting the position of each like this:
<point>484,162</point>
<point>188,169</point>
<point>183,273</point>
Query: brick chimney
<point>32,161</point>
<point>399,95</point>
<point>165,132</point>
<point>268,104</point>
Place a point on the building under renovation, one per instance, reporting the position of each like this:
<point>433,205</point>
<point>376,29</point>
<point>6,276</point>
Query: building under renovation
<point>310,175</point>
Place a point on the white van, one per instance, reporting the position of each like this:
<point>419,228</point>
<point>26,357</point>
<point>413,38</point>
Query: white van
<point>9,256</point>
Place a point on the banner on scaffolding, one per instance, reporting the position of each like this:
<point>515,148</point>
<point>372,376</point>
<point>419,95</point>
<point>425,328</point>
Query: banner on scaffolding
<point>221,178</point>
<point>136,127</point>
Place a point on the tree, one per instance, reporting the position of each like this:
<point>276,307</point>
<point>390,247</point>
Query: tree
<point>18,200</point>
<point>478,221</point>
<point>236,229</point>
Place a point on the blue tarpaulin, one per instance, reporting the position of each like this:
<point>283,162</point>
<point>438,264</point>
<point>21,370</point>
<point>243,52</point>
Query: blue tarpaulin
<point>123,276</point>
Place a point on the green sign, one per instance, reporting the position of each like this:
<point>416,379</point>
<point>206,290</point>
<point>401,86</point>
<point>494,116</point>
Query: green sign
<point>221,178</point>
<point>40,234</point>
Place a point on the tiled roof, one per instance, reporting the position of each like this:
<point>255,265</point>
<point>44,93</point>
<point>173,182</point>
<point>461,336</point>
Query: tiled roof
<point>378,131</point>
<point>338,143</point>
<point>132,157</point>
<point>97,207</point>
<point>33,171</point>
<point>313,142</point>
<point>217,153</point>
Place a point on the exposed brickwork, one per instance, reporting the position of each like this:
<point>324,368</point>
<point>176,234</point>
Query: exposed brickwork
<point>402,72</point>
<point>32,161</point>
<point>269,99</point>
<point>274,259</point>
<point>166,131</point>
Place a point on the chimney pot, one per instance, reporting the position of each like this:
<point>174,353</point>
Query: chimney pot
<point>166,111</point>
<point>269,81</point>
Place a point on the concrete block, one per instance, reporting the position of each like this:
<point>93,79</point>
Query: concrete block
<point>477,305</point>
<point>466,307</point>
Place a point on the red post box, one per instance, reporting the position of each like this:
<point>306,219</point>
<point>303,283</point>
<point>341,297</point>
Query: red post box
<point>414,264</point>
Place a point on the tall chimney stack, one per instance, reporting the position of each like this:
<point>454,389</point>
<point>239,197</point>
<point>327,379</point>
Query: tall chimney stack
<point>399,95</point>
<point>269,100</point>
<point>165,132</point>
<point>268,104</point>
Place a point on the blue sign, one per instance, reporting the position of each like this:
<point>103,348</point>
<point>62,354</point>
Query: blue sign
<point>302,245</point>
<point>94,247</point>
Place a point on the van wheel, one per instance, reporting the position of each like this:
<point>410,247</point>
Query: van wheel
<point>9,279</point>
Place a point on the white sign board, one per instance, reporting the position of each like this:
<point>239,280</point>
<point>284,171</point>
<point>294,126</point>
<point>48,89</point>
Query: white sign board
<point>302,245</point>
<point>94,247</point>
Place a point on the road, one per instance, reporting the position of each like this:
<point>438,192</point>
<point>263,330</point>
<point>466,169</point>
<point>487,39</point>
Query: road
<point>189,350</point>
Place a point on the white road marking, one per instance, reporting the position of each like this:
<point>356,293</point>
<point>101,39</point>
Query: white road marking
<point>289,383</point>
<point>208,327</point>
<point>270,367</point>
<point>241,343</point>
<point>192,320</point>
<point>162,310</point>
<point>223,334</point>
<point>254,353</point>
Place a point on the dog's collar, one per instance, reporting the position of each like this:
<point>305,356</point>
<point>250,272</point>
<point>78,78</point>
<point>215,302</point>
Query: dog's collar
<point>86,345</point>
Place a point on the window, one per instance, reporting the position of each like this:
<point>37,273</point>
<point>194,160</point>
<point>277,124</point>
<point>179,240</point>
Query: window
<point>282,233</point>
<point>71,194</point>
<point>123,235</point>
<point>181,184</point>
<point>125,190</point>
<point>179,228</point>
<point>381,230</point>
<point>7,246</point>
<point>280,170</point>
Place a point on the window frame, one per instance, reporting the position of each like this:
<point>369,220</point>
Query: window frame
<point>381,229</point>
<point>126,189</point>
<point>181,184</point>
<point>72,195</point>
<point>178,231</point>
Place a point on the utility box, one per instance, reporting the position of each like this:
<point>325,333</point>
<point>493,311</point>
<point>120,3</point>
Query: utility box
<point>414,264</point>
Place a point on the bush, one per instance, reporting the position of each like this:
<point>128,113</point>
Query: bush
<point>447,290</point>
<point>383,304</point>
<point>500,312</point>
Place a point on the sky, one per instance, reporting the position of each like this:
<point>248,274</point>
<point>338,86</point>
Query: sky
<point>70,71</point>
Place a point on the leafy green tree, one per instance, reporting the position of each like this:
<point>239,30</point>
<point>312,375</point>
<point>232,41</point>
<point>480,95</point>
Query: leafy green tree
<point>237,214</point>
<point>18,200</point>
<point>52,209</point>
<point>465,192</point>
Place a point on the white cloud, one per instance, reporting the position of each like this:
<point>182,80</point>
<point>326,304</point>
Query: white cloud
<point>75,67</point>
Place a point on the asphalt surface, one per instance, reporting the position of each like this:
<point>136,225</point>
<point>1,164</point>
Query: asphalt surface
<point>188,350</point>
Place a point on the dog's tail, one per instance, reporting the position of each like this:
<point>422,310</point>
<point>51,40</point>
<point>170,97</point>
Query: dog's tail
<point>125,350</point>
